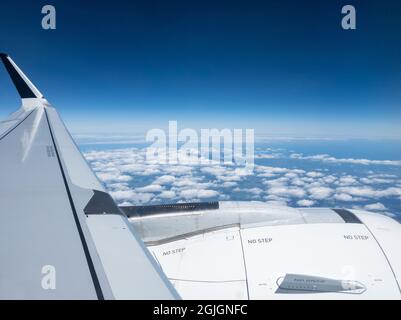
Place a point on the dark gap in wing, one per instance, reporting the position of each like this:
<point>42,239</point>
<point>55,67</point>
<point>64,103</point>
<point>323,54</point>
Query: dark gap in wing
<point>135,211</point>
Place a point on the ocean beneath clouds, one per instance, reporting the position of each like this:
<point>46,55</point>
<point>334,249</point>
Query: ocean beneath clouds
<point>363,174</point>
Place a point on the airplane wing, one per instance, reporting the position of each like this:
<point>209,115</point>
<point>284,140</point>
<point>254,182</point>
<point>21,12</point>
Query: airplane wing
<point>61,235</point>
<point>266,251</point>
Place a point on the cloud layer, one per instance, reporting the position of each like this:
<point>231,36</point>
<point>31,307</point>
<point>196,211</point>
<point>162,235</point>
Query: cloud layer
<point>131,179</point>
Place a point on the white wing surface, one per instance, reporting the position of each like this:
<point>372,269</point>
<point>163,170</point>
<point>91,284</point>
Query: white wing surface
<point>61,234</point>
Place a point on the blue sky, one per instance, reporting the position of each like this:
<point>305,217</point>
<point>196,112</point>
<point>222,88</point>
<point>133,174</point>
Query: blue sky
<point>281,67</point>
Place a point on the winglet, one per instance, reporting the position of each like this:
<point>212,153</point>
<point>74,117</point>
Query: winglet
<point>25,87</point>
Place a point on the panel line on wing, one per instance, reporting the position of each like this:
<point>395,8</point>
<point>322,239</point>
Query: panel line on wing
<point>91,266</point>
<point>244,260</point>
<point>385,256</point>
<point>13,128</point>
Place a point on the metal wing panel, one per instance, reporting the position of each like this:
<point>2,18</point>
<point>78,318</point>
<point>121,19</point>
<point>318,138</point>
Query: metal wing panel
<point>130,270</point>
<point>37,228</point>
<point>7,125</point>
<point>76,166</point>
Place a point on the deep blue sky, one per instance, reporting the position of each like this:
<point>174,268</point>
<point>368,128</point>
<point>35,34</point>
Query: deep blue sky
<point>281,67</point>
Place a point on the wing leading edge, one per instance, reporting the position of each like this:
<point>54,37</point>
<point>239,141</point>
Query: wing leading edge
<point>61,234</point>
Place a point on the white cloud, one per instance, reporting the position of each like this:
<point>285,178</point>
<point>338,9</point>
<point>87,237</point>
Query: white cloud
<point>166,179</point>
<point>255,190</point>
<point>273,170</point>
<point>267,175</point>
<point>286,191</point>
<point>276,182</point>
<point>168,194</point>
<point>150,188</point>
<point>305,203</point>
<point>268,156</point>
<point>118,186</point>
<point>328,158</point>
<point>347,180</point>
<point>297,182</point>
<point>198,193</point>
<point>226,174</point>
<point>369,192</point>
<point>216,170</point>
<point>320,193</point>
<point>343,197</point>
<point>272,197</point>
<point>329,179</point>
<point>229,178</point>
<point>177,169</point>
<point>132,196</point>
<point>113,177</point>
<point>314,174</point>
<point>375,180</point>
<point>291,175</point>
<point>186,181</point>
<point>228,184</point>
<point>375,207</point>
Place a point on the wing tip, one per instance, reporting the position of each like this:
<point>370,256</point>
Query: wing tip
<point>24,86</point>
